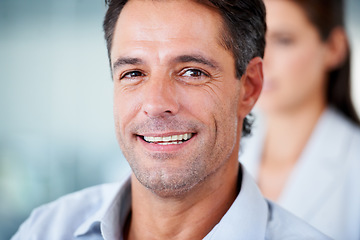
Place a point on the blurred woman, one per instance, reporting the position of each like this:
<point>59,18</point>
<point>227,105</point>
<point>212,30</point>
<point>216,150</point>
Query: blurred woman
<point>307,155</point>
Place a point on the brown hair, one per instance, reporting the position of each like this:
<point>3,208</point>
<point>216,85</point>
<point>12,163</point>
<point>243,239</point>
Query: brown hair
<point>326,15</point>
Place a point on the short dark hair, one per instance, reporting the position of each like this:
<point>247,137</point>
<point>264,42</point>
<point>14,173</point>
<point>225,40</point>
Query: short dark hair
<point>244,32</point>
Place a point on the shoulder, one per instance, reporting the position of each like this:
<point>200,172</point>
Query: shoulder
<point>63,216</point>
<point>283,225</point>
<point>335,139</point>
<point>339,122</point>
<point>344,132</point>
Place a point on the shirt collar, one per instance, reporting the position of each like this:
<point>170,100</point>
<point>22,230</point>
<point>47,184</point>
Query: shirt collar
<point>247,217</point>
<point>115,217</point>
<point>112,213</point>
<point>248,210</point>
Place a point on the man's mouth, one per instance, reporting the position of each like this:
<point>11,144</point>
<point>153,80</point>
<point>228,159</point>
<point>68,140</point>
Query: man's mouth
<point>168,140</point>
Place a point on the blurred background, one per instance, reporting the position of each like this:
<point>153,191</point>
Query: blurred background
<point>56,131</point>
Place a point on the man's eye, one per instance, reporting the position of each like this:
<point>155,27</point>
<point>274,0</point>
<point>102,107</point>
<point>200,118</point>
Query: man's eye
<point>194,76</point>
<point>194,73</point>
<point>132,74</point>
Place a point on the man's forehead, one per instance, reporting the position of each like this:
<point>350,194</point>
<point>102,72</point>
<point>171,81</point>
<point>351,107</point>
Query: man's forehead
<point>153,23</point>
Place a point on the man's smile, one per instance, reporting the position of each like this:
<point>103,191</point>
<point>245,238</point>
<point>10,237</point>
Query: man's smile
<point>168,140</point>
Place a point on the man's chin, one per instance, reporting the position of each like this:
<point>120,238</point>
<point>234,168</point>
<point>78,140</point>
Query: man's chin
<point>167,185</point>
<point>168,193</point>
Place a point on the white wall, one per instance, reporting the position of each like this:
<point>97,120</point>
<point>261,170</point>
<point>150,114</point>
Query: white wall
<point>56,131</point>
<point>353,28</point>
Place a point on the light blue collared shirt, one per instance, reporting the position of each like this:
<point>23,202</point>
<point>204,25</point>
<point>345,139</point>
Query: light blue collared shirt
<point>100,212</point>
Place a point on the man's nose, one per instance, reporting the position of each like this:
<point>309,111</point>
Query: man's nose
<point>160,97</point>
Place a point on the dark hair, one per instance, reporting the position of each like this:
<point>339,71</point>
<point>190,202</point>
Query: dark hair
<point>326,15</point>
<point>243,35</point>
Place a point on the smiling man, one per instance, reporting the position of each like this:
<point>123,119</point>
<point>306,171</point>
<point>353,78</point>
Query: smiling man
<point>186,74</point>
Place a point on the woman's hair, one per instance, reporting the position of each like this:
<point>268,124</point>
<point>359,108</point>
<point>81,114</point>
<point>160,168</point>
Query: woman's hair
<point>326,15</point>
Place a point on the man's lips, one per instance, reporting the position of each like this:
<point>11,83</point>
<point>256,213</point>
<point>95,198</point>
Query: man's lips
<point>167,140</point>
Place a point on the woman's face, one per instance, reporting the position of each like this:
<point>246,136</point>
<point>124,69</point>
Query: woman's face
<point>295,59</point>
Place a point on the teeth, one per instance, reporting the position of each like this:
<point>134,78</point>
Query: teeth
<point>168,143</point>
<point>169,139</point>
<point>186,136</point>
<point>149,139</point>
<point>166,139</point>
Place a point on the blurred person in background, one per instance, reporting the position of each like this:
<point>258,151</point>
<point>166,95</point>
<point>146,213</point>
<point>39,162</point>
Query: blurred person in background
<point>306,156</point>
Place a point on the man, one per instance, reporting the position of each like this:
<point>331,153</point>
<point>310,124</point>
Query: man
<point>186,74</point>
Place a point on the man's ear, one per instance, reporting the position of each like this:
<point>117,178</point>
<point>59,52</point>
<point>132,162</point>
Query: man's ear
<point>337,48</point>
<point>251,85</point>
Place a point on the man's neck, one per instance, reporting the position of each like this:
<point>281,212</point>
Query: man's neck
<point>191,216</point>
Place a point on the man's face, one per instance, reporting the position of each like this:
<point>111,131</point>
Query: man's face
<point>176,96</point>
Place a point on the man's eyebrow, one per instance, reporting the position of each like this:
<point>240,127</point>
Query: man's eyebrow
<point>198,59</point>
<point>126,61</point>
<point>179,59</point>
